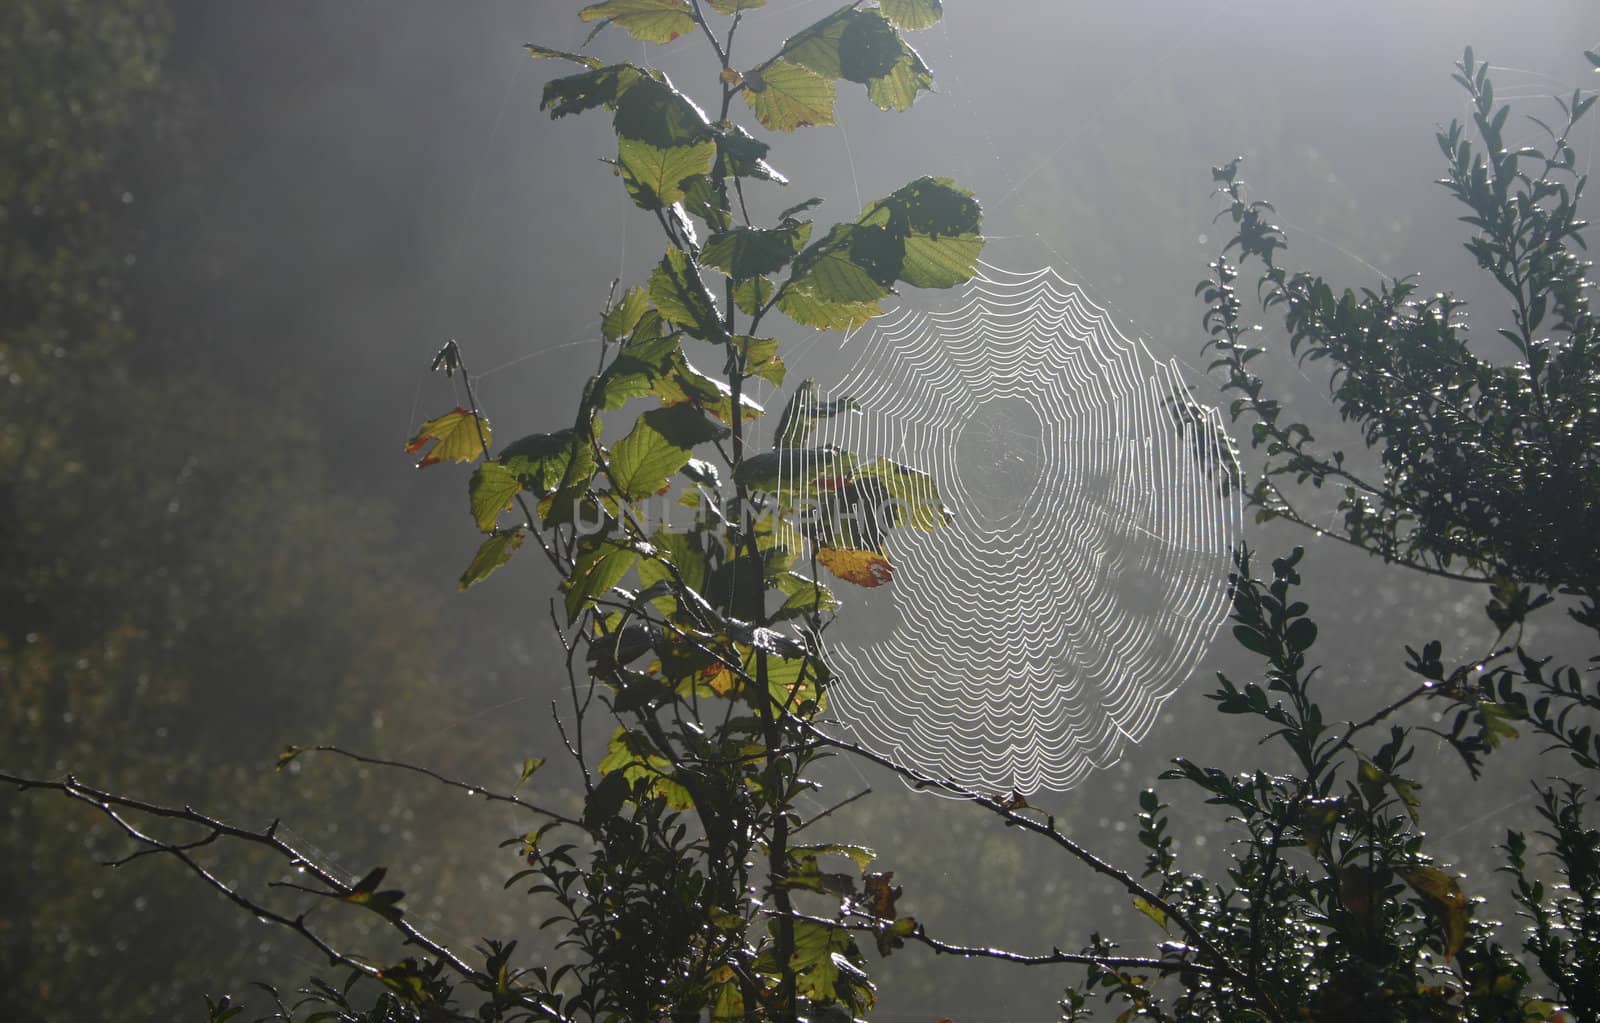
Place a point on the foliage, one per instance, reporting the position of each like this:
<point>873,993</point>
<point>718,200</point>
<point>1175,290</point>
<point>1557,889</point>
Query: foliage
<point>1333,908</point>
<point>692,595</point>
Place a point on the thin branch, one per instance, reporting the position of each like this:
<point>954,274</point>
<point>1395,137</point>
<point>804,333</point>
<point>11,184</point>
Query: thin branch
<point>112,804</point>
<point>468,787</point>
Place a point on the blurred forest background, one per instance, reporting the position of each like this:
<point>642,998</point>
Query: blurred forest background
<point>233,237</point>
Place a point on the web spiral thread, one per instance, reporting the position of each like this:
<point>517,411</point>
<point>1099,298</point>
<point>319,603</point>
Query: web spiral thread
<point>1083,571</point>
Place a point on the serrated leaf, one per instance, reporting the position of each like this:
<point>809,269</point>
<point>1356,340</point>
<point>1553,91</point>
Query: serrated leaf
<point>490,491</point>
<point>820,950</point>
<point>912,14</point>
<point>540,52</point>
<point>862,567</point>
<point>652,111</point>
<point>681,296</point>
<point>638,370</point>
<point>752,295</point>
<point>761,358</point>
<point>804,408</point>
<point>785,96</point>
<point>541,461</point>
<point>457,435</point>
<point>912,498</point>
<point>492,553</point>
<point>649,21</point>
<point>772,471</point>
<point>620,320</point>
<point>898,88</point>
<point>930,206</point>
<point>687,384</point>
<point>746,252</point>
<point>742,155</point>
<point>573,94</point>
<point>658,446</point>
<point>598,568</point>
<point>631,757</point>
<point>940,262</point>
<point>654,175</point>
<point>869,47</point>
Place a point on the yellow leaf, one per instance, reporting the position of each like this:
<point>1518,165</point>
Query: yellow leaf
<point>1151,910</point>
<point>458,436</point>
<point>864,568</point>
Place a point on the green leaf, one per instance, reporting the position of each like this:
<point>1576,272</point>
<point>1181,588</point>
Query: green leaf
<point>912,14</point>
<point>785,96</point>
<point>492,553</point>
<point>1151,910</point>
<point>915,498</point>
<point>621,319</point>
<point>574,94</point>
<point>490,491</point>
<point>816,47</point>
<point>598,568</point>
<point>713,396</point>
<point>681,296</point>
<point>734,6</point>
<point>654,175</point>
<point>529,766</point>
<point>802,411</point>
<point>635,372</point>
<point>869,47</point>
<point>940,262</point>
<point>804,597</point>
<point>930,206</point>
<point>761,358</point>
<point>742,155</point>
<point>818,950</point>
<point>541,461</point>
<point>837,282</point>
<point>538,52</point>
<point>652,111</point>
<point>658,446</point>
<point>860,855</point>
<point>752,295</point>
<point>746,252</point>
<point>899,87</point>
<point>649,21</point>
<point>773,471</point>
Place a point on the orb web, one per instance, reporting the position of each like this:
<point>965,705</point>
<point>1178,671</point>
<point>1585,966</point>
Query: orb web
<point>1082,571</point>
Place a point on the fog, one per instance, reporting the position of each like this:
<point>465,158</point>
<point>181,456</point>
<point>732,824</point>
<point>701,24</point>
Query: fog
<point>362,182</point>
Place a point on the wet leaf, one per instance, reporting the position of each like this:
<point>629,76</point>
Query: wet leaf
<point>384,903</point>
<point>537,52</point>
<point>457,436</point>
<point>882,894</point>
<point>1151,910</point>
<point>491,491</point>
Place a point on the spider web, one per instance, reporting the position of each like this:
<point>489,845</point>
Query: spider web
<point>1083,570</point>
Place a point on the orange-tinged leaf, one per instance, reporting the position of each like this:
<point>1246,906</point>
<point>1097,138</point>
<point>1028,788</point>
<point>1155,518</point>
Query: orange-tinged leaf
<point>882,893</point>
<point>457,434</point>
<point>864,568</point>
